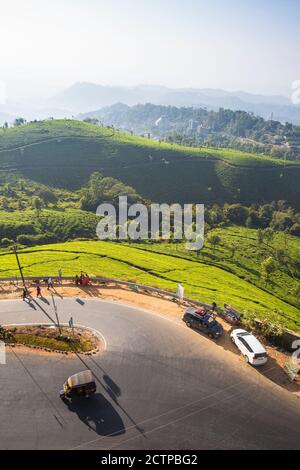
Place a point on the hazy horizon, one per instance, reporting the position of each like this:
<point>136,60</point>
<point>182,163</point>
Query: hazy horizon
<point>232,45</point>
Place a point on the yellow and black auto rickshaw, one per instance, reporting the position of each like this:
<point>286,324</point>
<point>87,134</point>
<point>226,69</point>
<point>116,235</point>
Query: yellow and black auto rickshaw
<point>79,385</point>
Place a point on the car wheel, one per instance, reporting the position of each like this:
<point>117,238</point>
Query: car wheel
<point>210,335</point>
<point>188,324</point>
<point>232,339</point>
<point>247,359</point>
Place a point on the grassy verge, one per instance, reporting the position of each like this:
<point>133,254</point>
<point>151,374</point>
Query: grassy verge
<point>49,338</point>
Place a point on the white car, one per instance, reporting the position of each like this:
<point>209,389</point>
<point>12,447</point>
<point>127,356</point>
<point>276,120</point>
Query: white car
<point>250,347</point>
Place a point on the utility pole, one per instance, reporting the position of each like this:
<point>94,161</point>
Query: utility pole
<point>19,266</point>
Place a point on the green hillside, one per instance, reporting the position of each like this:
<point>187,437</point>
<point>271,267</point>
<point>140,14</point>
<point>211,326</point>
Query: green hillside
<point>240,253</point>
<point>63,154</point>
<point>202,281</point>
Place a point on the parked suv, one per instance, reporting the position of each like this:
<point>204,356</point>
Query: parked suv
<point>250,347</point>
<point>204,322</point>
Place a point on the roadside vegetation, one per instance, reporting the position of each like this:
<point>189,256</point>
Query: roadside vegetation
<point>48,337</point>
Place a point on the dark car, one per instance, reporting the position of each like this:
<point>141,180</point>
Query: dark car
<point>205,323</point>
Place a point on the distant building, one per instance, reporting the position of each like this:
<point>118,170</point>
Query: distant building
<point>192,124</point>
<point>162,122</point>
<point>203,131</point>
<point>293,142</point>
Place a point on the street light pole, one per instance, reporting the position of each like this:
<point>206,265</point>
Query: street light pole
<point>20,267</point>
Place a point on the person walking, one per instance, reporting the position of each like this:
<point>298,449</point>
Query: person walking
<point>24,294</point>
<point>50,283</point>
<point>60,275</point>
<point>38,291</point>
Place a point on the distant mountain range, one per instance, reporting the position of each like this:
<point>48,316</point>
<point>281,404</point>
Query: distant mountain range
<point>12,110</point>
<point>84,97</point>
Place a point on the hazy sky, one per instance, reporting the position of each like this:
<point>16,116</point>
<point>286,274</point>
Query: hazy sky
<point>253,45</point>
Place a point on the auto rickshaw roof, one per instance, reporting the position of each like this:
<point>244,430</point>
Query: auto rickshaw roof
<point>81,378</point>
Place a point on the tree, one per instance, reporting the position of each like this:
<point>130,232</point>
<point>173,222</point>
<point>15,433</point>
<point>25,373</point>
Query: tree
<point>46,195</point>
<point>260,236</point>
<point>19,121</point>
<point>295,230</point>
<point>268,267</point>
<point>281,221</point>
<point>6,242</point>
<point>37,204</point>
<point>214,240</point>
<point>5,335</point>
<point>296,292</point>
<point>102,189</point>
<point>265,213</point>
<point>91,120</point>
<point>268,235</point>
<point>233,250</point>
<point>280,255</point>
<point>237,214</point>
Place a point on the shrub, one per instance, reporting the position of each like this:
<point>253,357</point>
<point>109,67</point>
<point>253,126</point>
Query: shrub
<point>281,221</point>
<point>268,267</point>
<point>31,240</point>
<point>5,335</point>
<point>5,242</point>
<point>295,230</point>
<point>237,214</point>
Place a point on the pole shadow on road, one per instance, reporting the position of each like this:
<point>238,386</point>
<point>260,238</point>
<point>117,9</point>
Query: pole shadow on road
<point>44,311</point>
<point>112,389</point>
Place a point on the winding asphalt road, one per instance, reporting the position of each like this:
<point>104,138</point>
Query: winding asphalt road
<point>160,386</point>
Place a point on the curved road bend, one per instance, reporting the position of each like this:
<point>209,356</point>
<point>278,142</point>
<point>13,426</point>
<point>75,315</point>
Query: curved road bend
<point>160,386</point>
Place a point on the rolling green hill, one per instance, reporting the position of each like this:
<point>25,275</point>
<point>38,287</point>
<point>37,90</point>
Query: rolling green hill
<point>53,160</point>
<point>64,153</point>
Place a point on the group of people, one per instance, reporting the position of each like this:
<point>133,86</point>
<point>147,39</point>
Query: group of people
<point>48,282</point>
<point>82,280</point>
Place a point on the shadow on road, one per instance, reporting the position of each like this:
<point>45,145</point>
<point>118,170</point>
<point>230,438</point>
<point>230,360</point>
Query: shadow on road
<point>111,388</point>
<point>44,311</point>
<point>272,370</point>
<point>98,414</point>
<point>30,304</point>
<point>55,292</point>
